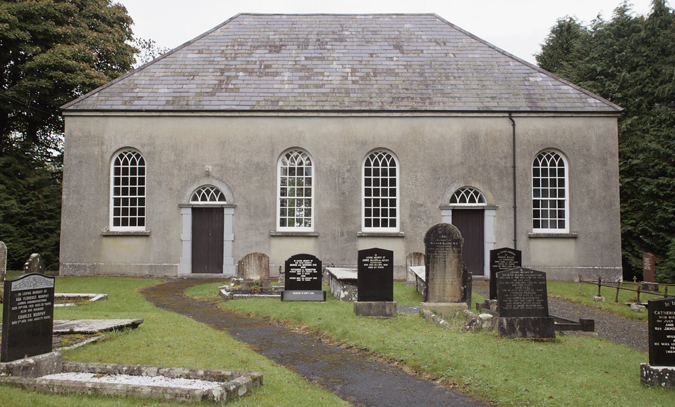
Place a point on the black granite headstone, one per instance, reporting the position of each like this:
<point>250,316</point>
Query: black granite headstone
<point>302,272</point>
<point>500,260</point>
<point>662,332</point>
<point>375,275</point>
<point>302,279</point>
<point>522,293</point>
<point>27,317</point>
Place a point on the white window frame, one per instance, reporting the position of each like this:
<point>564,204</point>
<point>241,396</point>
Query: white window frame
<point>213,195</point>
<point>140,195</point>
<point>468,192</point>
<point>543,186</point>
<point>312,177</point>
<point>365,214</point>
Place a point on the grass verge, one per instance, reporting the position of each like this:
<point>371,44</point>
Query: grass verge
<point>570,291</point>
<point>572,371</point>
<point>165,339</point>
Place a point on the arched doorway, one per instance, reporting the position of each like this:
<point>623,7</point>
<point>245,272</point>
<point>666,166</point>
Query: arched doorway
<point>468,209</point>
<point>207,238</point>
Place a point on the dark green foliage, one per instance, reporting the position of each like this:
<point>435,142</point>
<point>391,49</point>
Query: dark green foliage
<point>30,205</point>
<point>630,60</point>
<point>51,52</point>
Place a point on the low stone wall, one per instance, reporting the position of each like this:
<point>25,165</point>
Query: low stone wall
<point>420,279</point>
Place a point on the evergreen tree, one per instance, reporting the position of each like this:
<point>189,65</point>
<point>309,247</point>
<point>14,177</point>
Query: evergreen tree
<point>51,52</point>
<point>630,60</point>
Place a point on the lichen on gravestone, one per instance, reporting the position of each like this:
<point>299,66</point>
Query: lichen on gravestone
<point>34,265</point>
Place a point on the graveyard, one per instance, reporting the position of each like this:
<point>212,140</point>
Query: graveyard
<point>520,361</point>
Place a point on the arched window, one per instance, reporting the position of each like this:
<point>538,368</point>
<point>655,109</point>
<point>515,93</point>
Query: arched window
<point>380,192</point>
<point>467,196</point>
<point>549,193</point>
<point>207,194</point>
<point>128,191</point>
<point>295,209</point>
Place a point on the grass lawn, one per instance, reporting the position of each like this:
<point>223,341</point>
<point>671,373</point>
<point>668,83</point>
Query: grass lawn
<point>164,339</point>
<point>570,291</point>
<point>572,371</point>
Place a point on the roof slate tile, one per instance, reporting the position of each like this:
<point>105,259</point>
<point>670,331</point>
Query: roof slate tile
<point>391,62</point>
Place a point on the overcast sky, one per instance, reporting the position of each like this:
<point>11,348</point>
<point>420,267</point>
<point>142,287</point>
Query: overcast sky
<point>517,26</point>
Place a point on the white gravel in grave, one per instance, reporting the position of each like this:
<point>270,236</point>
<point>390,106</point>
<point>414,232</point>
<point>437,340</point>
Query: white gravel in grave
<point>161,381</point>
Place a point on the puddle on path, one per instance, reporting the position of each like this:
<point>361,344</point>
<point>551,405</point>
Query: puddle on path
<point>350,375</point>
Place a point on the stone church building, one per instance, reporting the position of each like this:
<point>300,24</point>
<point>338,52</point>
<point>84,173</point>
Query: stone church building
<point>327,134</point>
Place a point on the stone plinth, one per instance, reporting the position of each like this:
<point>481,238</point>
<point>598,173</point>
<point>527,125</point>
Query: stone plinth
<point>526,327</point>
<point>383,309</point>
<point>445,309</point>
<point>661,376</point>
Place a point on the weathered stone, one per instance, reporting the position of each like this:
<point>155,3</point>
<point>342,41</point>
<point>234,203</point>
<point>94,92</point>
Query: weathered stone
<point>343,283</point>
<point>659,376</point>
<point>254,266</point>
<point>413,259</point>
<point>36,366</point>
<point>648,271</point>
<point>526,327</point>
<point>598,299</point>
<point>448,280</point>
<point>34,265</point>
<point>383,309</point>
<point>445,309</point>
<point>478,322</point>
<point>638,307</point>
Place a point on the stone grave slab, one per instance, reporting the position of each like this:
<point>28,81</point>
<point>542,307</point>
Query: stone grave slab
<point>502,259</point>
<point>302,279</point>
<point>523,304</point>
<point>660,371</point>
<point>414,259</point>
<point>375,283</point>
<point>28,314</point>
<point>448,282</point>
<point>254,266</point>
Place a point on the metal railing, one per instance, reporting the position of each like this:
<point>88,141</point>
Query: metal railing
<point>618,287</point>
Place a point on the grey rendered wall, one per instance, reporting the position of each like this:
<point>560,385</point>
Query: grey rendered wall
<point>242,153</point>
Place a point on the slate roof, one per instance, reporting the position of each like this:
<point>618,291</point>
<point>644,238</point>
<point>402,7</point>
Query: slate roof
<point>380,62</point>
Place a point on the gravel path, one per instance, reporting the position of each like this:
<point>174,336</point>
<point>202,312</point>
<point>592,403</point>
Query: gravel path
<point>629,332</point>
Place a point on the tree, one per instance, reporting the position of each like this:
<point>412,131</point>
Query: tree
<point>630,60</point>
<point>51,52</point>
<point>148,50</point>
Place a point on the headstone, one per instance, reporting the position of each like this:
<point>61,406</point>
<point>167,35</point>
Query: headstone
<point>375,283</point>
<point>303,274</point>
<point>254,266</point>
<point>648,272</point>
<point>34,265</point>
<point>3,261</point>
<point>500,260</point>
<point>414,259</point>
<point>523,304</point>
<point>660,371</point>
<point>448,280</point>
<point>28,313</point>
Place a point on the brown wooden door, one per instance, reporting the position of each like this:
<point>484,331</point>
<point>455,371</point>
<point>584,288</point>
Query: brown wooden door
<point>470,224</point>
<point>207,240</point>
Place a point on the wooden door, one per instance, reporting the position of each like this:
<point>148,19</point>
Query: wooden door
<point>470,223</point>
<point>207,240</point>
